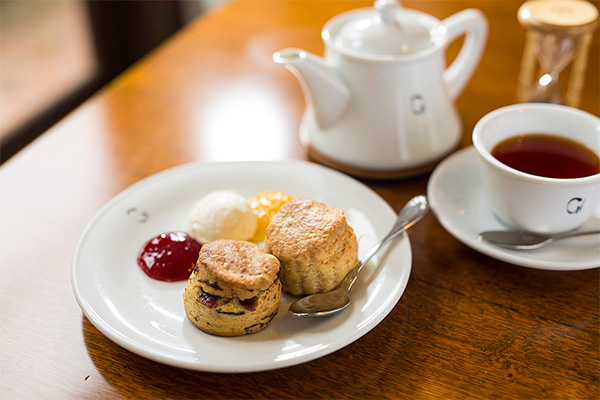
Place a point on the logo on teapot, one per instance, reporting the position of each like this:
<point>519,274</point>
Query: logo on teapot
<point>417,104</point>
<point>575,205</point>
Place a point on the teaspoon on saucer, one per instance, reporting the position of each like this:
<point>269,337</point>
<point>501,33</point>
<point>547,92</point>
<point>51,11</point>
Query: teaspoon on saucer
<point>334,301</point>
<point>518,240</point>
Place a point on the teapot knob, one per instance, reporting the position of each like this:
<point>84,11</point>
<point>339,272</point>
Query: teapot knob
<point>387,10</point>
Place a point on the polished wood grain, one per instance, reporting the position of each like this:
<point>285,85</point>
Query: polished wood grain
<point>467,326</point>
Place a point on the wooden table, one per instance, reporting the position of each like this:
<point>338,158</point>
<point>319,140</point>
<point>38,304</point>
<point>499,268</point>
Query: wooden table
<point>467,326</point>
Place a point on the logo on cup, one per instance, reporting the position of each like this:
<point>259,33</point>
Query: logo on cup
<point>574,205</point>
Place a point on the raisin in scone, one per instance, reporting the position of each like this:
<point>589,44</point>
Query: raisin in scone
<point>314,244</point>
<point>234,289</point>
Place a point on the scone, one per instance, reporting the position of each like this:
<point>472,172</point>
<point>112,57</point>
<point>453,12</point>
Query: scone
<point>234,289</point>
<point>314,244</point>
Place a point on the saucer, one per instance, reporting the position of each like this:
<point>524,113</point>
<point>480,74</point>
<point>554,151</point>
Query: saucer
<point>460,205</point>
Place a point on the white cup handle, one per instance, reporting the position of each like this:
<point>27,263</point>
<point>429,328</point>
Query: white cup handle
<point>473,24</point>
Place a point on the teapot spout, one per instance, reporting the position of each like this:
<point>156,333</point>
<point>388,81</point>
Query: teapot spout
<point>322,85</point>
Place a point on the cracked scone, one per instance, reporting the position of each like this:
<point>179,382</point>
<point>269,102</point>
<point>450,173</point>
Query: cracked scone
<point>234,289</point>
<point>314,244</point>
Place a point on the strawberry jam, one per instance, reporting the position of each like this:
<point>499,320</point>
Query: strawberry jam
<point>169,256</point>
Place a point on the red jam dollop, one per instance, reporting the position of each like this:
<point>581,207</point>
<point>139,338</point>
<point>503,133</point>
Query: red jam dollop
<point>169,256</point>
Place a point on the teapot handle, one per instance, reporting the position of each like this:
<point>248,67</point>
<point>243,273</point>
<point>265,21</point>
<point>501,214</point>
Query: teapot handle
<point>473,25</point>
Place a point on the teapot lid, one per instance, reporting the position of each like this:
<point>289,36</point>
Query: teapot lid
<point>389,30</point>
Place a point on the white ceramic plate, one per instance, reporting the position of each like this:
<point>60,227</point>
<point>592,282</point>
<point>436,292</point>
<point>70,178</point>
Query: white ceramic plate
<point>458,201</point>
<point>147,316</point>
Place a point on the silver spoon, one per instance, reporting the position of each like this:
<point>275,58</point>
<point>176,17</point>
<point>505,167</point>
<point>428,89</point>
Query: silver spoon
<point>328,303</point>
<point>527,241</point>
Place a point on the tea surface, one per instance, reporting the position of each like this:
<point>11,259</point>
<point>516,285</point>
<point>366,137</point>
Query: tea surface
<point>548,156</point>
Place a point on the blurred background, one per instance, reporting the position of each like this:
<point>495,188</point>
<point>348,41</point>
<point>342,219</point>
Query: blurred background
<point>56,53</point>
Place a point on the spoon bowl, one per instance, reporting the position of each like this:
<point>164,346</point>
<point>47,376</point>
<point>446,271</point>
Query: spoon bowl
<point>321,304</point>
<point>334,301</point>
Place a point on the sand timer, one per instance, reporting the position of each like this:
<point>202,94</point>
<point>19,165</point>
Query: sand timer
<point>559,33</point>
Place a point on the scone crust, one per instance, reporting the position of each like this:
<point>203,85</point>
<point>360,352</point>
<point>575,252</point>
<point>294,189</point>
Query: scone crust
<point>314,244</point>
<point>238,268</point>
<point>305,230</point>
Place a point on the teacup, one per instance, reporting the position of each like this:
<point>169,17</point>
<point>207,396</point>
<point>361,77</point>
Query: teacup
<point>530,202</point>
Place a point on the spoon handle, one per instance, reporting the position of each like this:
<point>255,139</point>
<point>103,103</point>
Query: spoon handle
<point>410,214</point>
<point>518,240</point>
<point>575,233</point>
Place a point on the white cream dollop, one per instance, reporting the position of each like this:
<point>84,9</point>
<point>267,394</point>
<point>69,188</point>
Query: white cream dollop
<point>222,214</point>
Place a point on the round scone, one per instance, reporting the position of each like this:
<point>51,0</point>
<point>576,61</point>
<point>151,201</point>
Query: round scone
<point>314,244</point>
<point>234,288</point>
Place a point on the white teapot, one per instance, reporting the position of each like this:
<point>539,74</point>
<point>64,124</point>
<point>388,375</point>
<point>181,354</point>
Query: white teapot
<point>382,99</point>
